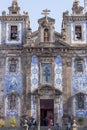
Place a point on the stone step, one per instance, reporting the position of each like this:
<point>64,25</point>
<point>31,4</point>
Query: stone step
<point>47,127</point>
<point>12,128</point>
<point>40,128</point>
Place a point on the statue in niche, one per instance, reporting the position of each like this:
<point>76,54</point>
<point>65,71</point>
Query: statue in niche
<point>46,35</point>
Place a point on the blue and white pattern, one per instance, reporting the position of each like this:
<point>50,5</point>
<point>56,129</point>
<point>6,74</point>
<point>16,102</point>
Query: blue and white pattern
<point>58,73</point>
<point>18,65</point>
<point>79,80</point>
<point>13,83</point>
<point>34,73</point>
<point>33,107</point>
<point>60,107</point>
<point>9,112</point>
<point>79,112</point>
<point>79,85</point>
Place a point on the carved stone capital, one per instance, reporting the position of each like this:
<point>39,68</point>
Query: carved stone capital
<point>69,62</point>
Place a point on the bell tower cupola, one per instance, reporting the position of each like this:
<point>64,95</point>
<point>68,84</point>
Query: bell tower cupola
<point>14,9</point>
<point>76,9</point>
<point>85,6</point>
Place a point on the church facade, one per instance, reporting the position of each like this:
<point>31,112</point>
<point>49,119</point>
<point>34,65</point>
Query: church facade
<point>43,73</point>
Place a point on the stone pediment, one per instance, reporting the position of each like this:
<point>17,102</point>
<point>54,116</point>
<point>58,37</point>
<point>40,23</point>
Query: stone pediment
<point>47,90</point>
<point>41,20</point>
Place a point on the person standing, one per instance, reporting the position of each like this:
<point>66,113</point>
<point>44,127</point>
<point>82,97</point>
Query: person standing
<point>46,121</point>
<point>69,126</point>
<point>57,126</point>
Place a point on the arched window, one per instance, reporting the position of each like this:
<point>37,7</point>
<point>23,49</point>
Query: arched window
<point>80,100</point>
<point>46,35</point>
<point>12,104</point>
<point>12,99</point>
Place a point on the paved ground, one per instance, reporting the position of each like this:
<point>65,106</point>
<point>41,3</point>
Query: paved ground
<point>41,128</point>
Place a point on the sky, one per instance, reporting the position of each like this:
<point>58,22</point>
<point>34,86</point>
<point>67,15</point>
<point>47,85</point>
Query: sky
<point>35,7</point>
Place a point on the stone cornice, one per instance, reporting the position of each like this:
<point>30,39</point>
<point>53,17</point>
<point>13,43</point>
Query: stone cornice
<point>13,18</point>
<point>75,18</point>
<point>44,51</point>
<point>9,47</point>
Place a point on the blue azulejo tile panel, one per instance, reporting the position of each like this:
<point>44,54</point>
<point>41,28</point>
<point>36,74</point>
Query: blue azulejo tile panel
<point>34,59</point>
<point>58,72</point>
<point>79,83</point>
<point>34,72</point>
<point>79,80</point>
<point>58,60</point>
<point>60,107</point>
<point>81,113</point>
<point>13,83</point>
<point>12,113</point>
<point>12,105</point>
<point>33,107</point>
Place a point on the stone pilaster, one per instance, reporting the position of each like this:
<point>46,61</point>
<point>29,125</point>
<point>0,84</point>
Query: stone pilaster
<point>64,73</point>
<point>56,101</point>
<point>28,86</point>
<point>69,76</point>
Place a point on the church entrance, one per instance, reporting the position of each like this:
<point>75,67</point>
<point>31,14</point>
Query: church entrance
<point>46,112</point>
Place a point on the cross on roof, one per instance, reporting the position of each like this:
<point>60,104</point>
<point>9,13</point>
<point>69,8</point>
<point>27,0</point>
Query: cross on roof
<point>45,12</point>
<point>15,0</point>
<point>76,1</point>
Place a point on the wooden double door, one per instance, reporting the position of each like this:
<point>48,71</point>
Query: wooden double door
<point>46,112</point>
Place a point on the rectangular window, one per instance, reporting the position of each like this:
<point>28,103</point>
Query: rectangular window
<point>78,32</point>
<point>13,64</point>
<point>46,72</point>
<point>79,65</point>
<point>14,33</point>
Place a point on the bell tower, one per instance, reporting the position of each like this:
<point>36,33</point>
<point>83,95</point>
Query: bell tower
<point>14,8</point>
<point>85,6</point>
